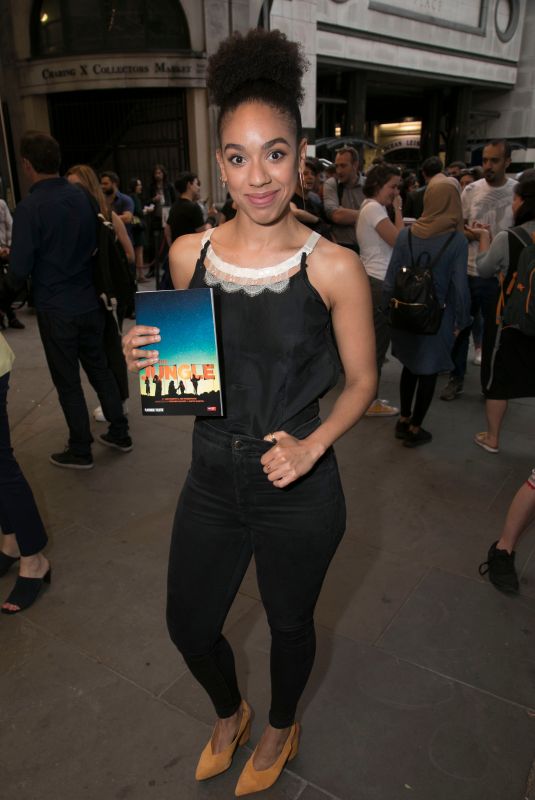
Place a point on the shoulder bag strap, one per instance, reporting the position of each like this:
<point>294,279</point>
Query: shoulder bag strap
<point>518,239</point>
<point>441,252</point>
<point>521,234</point>
<point>409,239</point>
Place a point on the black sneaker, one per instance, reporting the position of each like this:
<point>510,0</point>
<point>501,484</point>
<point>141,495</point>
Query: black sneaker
<point>124,444</point>
<point>70,460</point>
<point>501,568</point>
<point>416,439</point>
<point>402,429</point>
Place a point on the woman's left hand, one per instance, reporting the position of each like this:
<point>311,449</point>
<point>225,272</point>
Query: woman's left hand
<point>477,231</point>
<point>288,459</point>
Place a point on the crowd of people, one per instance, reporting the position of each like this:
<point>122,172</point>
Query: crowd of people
<point>310,271</point>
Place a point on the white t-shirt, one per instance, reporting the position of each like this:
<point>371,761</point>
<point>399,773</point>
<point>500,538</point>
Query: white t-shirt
<point>374,251</point>
<point>488,204</point>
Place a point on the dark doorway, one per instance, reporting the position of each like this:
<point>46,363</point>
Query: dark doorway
<point>127,131</point>
<point>388,97</point>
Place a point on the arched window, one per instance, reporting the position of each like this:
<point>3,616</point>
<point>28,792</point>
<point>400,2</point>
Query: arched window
<point>70,27</point>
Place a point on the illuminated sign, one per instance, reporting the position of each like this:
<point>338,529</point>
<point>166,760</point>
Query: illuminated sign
<point>404,142</point>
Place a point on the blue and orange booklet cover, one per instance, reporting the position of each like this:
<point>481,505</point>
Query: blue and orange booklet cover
<point>187,377</point>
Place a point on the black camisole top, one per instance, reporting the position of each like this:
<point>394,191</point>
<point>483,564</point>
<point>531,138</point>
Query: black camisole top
<point>276,343</point>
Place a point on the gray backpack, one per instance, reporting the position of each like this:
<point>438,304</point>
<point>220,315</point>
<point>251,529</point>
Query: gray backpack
<point>519,310</point>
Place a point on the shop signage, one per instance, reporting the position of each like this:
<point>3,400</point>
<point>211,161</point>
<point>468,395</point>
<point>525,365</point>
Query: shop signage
<point>72,74</point>
<point>404,142</point>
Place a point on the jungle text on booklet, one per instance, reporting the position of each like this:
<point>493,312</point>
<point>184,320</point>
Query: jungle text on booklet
<point>187,378</point>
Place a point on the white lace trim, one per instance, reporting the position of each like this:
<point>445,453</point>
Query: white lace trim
<point>253,281</point>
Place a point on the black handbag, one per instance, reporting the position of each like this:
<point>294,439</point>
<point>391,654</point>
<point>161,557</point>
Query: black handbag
<point>414,306</point>
<point>12,292</point>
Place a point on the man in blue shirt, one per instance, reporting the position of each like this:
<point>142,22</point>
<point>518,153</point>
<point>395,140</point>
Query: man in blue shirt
<point>122,204</point>
<point>53,240</point>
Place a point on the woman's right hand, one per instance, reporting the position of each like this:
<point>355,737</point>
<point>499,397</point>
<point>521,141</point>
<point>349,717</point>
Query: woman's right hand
<point>137,336</point>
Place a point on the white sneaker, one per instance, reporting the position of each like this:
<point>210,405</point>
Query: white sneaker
<point>98,413</point>
<point>381,408</point>
<point>477,357</point>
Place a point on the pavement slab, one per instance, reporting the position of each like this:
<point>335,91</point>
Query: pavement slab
<point>389,727</point>
<point>438,738</point>
<point>93,736</point>
<point>468,631</point>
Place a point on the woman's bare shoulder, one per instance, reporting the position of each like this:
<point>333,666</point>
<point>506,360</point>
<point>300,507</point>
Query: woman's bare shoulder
<point>333,258</point>
<point>183,255</point>
<point>336,272</point>
<point>186,244</point>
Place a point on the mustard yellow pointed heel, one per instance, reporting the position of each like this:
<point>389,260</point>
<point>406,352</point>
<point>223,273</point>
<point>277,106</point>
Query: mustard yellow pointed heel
<point>252,780</point>
<point>211,764</point>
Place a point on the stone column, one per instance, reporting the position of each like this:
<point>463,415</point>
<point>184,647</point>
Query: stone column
<point>458,133</point>
<point>356,104</point>
<point>199,144</point>
<point>430,134</point>
<point>245,14</point>
<point>25,113</point>
<point>217,18</point>
<point>297,19</point>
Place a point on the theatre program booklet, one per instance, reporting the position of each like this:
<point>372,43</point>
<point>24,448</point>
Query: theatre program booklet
<point>187,377</point>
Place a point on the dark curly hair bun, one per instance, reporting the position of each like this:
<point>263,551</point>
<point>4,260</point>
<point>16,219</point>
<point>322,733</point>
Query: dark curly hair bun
<point>263,66</point>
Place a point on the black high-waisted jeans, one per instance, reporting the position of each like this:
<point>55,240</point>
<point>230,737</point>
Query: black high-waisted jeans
<point>228,511</point>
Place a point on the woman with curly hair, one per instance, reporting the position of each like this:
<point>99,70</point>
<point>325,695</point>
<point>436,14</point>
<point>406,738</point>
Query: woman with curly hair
<point>263,479</point>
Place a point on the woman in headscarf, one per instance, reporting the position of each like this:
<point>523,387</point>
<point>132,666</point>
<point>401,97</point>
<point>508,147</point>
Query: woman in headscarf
<point>424,356</point>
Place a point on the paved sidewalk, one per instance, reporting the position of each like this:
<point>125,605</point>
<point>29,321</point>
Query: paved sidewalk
<point>424,683</point>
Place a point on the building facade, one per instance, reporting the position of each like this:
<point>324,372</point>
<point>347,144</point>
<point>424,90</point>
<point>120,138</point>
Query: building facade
<point>122,85</point>
<point>418,77</point>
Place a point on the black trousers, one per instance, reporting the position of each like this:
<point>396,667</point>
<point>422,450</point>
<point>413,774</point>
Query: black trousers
<point>69,342</point>
<point>484,293</point>
<point>228,511</point>
<point>18,511</point>
<point>114,353</point>
<point>424,388</point>
<point>380,324</point>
